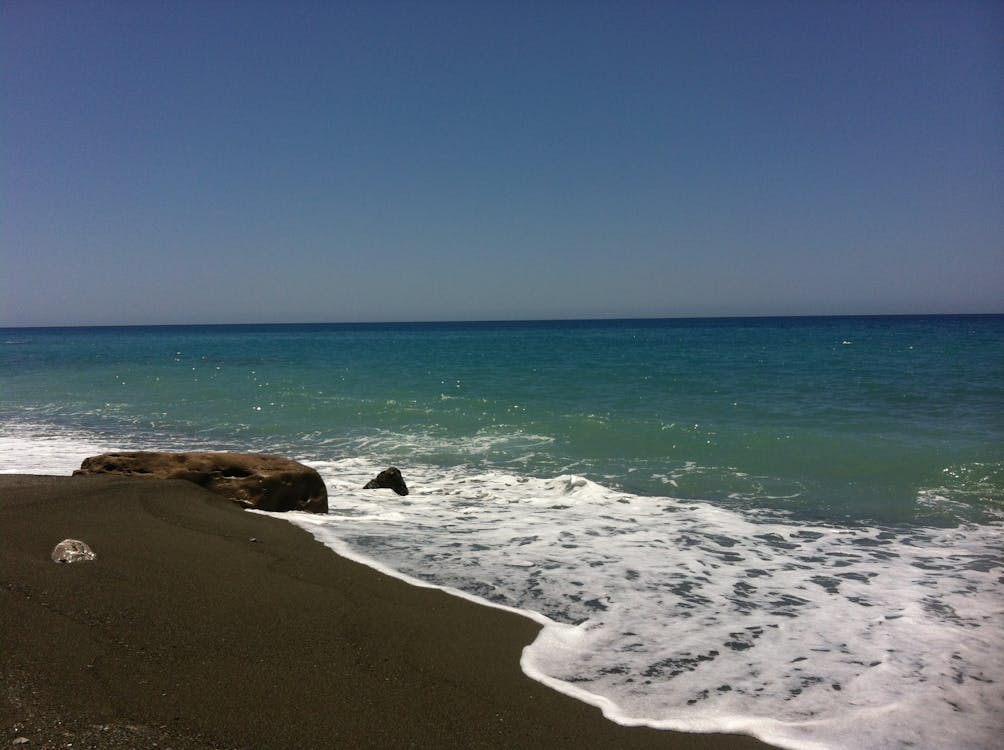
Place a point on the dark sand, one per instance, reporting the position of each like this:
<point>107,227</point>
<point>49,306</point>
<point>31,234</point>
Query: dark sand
<point>185,633</point>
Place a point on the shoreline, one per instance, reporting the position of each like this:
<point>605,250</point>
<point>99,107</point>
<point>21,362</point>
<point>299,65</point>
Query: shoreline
<point>202,626</point>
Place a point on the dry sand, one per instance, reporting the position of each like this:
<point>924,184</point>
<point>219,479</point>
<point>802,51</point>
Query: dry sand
<point>202,626</point>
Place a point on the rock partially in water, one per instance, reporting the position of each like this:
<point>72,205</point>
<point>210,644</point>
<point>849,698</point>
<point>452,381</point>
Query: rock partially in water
<point>71,551</point>
<point>390,479</point>
<point>252,480</point>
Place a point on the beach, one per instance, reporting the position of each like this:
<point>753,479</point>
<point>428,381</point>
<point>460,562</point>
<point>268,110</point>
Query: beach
<point>786,528</point>
<point>200,625</point>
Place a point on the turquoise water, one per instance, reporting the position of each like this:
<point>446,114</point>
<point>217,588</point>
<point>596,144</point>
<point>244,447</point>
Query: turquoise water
<point>831,418</point>
<point>789,527</point>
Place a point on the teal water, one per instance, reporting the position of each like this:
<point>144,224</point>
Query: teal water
<point>829,418</point>
<point>789,527</point>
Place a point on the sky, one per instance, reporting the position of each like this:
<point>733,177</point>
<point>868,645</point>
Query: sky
<point>277,162</point>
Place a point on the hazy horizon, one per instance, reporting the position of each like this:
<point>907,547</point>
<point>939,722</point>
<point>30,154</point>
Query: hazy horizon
<point>500,321</point>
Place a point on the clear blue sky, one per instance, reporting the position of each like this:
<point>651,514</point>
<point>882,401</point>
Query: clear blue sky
<point>176,162</point>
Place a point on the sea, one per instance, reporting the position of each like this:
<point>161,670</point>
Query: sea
<point>785,527</point>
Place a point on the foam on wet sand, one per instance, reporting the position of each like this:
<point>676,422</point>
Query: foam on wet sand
<point>202,626</point>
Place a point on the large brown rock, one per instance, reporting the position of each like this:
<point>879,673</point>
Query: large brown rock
<point>252,480</point>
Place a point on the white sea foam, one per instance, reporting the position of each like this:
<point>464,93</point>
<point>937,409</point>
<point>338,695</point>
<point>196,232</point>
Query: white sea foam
<point>31,449</point>
<point>683,615</point>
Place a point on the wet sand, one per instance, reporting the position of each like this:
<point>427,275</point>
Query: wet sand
<point>202,626</point>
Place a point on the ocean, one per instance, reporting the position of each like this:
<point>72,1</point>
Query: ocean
<point>788,527</point>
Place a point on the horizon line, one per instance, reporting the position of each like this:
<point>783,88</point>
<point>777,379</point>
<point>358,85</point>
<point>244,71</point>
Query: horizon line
<point>497,321</point>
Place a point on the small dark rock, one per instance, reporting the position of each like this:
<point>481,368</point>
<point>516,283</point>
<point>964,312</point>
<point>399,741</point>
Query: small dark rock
<point>389,479</point>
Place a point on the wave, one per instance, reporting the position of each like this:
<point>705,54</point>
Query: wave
<point>680,615</point>
<point>675,613</point>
